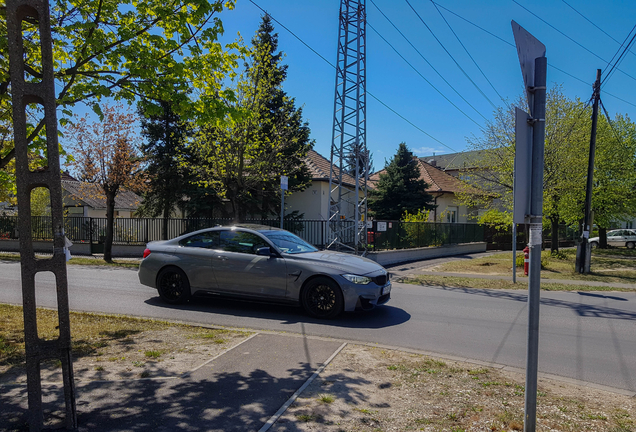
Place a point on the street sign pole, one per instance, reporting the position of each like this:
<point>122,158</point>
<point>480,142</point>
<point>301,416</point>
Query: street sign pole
<point>536,227</point>
<point>283,187</point>
<point>528,205</point>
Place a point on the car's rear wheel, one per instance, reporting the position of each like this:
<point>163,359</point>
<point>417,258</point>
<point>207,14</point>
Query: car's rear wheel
<point>630,245</point>
<point>594,244</point>
<point>173,285</point>
<point>322,298</point>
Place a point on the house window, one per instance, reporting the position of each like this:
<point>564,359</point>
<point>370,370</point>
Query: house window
<point>451,215</point>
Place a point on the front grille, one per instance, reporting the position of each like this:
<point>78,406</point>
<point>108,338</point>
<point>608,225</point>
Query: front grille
<point>381,280</point>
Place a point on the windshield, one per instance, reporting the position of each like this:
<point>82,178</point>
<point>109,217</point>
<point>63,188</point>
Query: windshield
<point>288,242</point>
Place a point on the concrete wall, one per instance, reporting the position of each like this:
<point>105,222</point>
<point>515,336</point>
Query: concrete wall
<point>406,255</point>
<point>382,258</point>
<point>312,202</point>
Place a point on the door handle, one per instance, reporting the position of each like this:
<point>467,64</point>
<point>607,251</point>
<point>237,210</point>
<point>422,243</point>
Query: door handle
<point>222,258</point>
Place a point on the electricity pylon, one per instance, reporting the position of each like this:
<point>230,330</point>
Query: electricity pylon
<point>349,171</point>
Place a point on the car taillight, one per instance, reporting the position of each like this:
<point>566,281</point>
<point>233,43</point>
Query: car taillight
<point>146,252</point>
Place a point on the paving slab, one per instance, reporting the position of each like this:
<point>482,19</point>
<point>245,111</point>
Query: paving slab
<point>238,391</point>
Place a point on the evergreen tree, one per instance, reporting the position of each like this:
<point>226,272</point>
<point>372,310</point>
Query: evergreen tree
<point>243,161</point>
<point>400,188</point>
<point>165,151</point>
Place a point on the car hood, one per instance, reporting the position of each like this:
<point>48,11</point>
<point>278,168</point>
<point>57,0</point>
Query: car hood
<point>339,261</point>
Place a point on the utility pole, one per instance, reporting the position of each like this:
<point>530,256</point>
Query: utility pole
<point>584,252</point>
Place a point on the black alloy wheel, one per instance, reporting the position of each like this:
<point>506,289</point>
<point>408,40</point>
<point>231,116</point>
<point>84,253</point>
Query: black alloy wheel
<point>173,285</point>
<point>322,298</point>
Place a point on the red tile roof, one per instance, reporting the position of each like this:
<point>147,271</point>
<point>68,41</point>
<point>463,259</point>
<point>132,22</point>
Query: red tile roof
<point>437,180</point>
<point>319,167</point>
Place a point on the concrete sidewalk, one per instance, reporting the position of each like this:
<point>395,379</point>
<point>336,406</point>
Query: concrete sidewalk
<point>240,390</point>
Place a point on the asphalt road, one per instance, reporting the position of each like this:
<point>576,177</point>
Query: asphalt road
<point>583,335</point>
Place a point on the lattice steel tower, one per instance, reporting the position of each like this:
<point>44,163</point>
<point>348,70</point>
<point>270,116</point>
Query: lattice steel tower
<point>349,172</point>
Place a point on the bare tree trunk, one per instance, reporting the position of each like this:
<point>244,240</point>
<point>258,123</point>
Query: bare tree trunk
<point>554,244</point>
<point>110,223</point>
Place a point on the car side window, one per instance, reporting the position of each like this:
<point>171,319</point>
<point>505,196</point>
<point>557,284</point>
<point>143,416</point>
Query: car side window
<point>206,240</point>
<point>242,242</point>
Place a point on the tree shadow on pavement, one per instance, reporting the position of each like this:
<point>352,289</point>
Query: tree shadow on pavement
<point>219,402</point>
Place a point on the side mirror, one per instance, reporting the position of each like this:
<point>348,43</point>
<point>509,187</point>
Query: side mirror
<point>265,251</point>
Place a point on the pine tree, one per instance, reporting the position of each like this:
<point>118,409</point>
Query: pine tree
<point>243,161</point>
<point>165,151</point>
<point>400,188</point>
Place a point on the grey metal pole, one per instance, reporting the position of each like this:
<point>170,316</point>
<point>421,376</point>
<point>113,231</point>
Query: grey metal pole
<point>536,208</point>
<point>282,207</point>
<point>514,228</point>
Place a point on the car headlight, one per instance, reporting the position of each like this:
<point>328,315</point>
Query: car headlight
<point>360,280</point>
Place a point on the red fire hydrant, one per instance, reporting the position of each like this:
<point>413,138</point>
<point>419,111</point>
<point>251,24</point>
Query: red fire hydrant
<point>526,260</point>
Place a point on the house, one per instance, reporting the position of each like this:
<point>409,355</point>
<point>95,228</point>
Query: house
<point>444,188</point>
<point>313,202</point>
<point>82,199</point>
<point>453,163</point>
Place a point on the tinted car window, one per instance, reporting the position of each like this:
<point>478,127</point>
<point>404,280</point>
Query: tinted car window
<point>288,242</point>
<point>207,240</point>
<point>242,242</point>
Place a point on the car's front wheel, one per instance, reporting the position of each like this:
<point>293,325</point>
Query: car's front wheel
<point>322,298</point>
<point>594,244</point>
<point>173,285</point>
<point>630,245</point>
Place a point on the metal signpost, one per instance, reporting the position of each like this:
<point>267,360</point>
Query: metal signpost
<point>530,160</point>
<point>284,181</point>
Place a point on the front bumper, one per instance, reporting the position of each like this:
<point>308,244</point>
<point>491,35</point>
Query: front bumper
<point>365,297</point>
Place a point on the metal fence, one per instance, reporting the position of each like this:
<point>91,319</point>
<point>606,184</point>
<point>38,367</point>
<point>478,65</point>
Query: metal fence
<point>381,235</point>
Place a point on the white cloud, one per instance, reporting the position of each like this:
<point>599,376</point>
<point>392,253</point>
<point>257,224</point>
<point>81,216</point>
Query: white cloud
<point>428,151</point>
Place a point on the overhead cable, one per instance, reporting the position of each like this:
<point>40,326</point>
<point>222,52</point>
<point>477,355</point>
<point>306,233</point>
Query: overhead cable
<point>333,66</point>
<point>620,57</point>
<point>590,21</point>
<point>513,46</point>
<point>568,37</point>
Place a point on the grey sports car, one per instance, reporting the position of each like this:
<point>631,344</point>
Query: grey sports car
<point>263,263</point>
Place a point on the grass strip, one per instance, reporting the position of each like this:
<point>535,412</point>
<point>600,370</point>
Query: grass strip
<point>79,261</point>
<point>90,331</point>
<point>479,283</point>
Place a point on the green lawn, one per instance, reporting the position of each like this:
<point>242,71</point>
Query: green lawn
<point>607,266</point>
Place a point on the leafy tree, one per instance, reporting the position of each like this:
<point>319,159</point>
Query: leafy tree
<point>565,165</point>
<point>400,188</point>
<point>243,161</point>
<point>166,156</point>
<point>614,183</point>
<point>123,50</point>
<point>107,158</point>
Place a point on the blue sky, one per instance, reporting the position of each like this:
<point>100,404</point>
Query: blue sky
<point>311,80</point>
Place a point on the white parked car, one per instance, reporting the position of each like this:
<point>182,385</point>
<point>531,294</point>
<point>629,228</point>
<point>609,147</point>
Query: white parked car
<point>619,237</point>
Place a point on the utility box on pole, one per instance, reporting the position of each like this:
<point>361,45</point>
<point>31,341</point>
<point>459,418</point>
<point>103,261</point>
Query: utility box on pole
<point>534,69</point>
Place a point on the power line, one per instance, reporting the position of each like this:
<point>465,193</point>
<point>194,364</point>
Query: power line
<point>449,54</point>
<point>513,46</point>
<point>424,78</point>
<point>588,20</point>
<point>563,34</point>
<point>368,92</point>
<point>429,63</point>
<point>620,58</point>
<point>465,49</point>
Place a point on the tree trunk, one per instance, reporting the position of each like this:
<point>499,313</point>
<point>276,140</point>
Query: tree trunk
<point>554,243</point>
<point>110,222</point>
<point>602,238</point>
<point>164,228</point>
